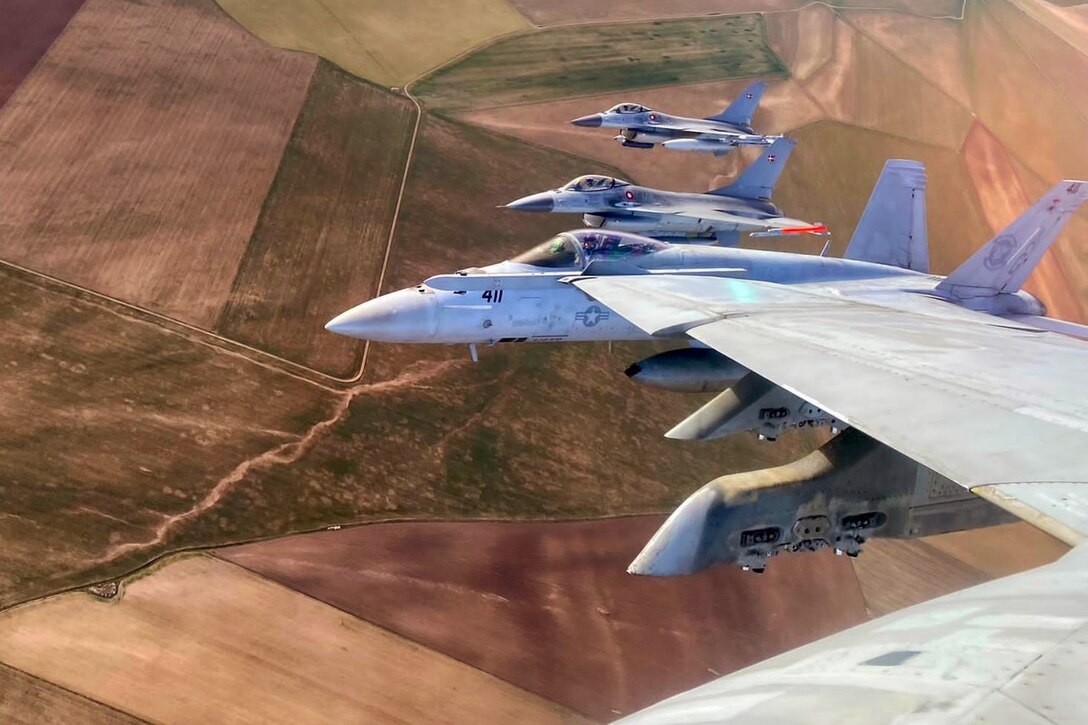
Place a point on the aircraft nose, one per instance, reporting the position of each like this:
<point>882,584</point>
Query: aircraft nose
<point>408,315</point>
<point>594,119</point>
<point>544,201</point>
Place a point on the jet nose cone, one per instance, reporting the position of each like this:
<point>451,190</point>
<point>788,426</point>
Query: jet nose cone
<point>544,201</point>
<point>594,119</point>
<point>408,315</point>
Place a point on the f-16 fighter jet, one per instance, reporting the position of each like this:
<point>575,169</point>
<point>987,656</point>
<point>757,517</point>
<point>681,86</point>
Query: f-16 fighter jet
<point>962,373</point>
<point>718,216</point>
<point>643,128</point>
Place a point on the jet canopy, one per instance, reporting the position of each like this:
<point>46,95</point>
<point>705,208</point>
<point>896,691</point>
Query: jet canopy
<point>628,108</point>
<point>593,182</point>
<point>574,250</point>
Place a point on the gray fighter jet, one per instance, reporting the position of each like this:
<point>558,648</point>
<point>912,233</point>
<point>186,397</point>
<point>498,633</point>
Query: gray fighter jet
<point>718,216</point>
<point>643,128</point>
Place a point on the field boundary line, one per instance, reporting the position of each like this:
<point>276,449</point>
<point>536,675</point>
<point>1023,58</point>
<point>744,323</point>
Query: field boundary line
<point>171,325</point>
<point>80,695</point>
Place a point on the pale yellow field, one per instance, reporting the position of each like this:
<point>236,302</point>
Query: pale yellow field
<point>201,640</point>
<point>386,41</point>
<point>935,48</point>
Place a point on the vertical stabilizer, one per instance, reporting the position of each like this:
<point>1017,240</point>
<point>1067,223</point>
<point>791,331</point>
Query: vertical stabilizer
<point>739,113</point>
<point>1003,265</point>
<point>892,229</point>
<point>758,180</point>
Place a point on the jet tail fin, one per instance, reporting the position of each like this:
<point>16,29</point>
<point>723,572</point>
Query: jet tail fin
<point>758,180</point>
<point>1004,263</point>
<point>892,229</point>
<point>739,112</point>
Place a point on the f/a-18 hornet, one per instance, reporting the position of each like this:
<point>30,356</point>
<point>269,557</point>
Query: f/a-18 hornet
<point>718,216</point>
<point>952,392</point>
<point>643,128</point>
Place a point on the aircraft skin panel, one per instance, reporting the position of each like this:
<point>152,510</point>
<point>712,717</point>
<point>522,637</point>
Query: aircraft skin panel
<point>975,401</point>
<point>1009,651</point>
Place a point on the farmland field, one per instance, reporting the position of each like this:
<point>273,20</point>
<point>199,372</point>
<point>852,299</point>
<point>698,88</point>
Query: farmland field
<point>29,29</point>
<point>548,607</point>
<point>319,244</point>
<point>28,700</point>
<point>201,640</point>
<point>114,161</point>
<point>385,41</point>
<point>112,425</point>
<point>582,61</point>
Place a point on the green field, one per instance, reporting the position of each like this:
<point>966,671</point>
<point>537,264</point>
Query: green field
<point>321,237</point>
<point>565,62</point>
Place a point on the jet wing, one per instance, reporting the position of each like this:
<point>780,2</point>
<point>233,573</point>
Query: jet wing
<point>998,408</point>
<point>1008,651</point>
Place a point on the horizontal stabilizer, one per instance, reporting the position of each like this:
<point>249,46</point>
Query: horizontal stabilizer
<point>739,112</point>
<point>758,180</point>
<point>1003,265</point>
<point>892,229</point>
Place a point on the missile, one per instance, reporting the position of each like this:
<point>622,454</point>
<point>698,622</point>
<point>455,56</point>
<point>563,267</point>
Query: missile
<point>687,370</point>
<point>818,229</point>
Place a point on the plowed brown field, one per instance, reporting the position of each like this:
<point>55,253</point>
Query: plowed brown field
<point>141,174</point>
<point>548,607</point>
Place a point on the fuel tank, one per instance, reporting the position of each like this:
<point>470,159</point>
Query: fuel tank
<point>687,370</point>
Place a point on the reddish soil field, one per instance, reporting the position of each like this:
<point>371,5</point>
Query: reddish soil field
<point>29,28</point>
<point>1003,198</point>
<point>138,152</point>
<point>897,573</point>
<point>548,607</point>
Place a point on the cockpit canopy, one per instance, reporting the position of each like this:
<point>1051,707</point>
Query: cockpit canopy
<point>579,248</point>
<point>593,182</point>
<point>628,108</point>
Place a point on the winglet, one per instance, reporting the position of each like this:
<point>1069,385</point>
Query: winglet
<point>739,112</point>
<point>1003,265</point>
<point>758,180</point>
<point>892,229</point>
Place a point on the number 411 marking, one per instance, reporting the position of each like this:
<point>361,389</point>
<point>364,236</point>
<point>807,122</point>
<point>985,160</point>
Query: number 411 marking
<point>494,296</point>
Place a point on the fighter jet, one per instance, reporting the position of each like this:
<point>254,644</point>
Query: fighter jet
<point>718,216</point>
<point>963,374</point>
<point>643,128</point>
